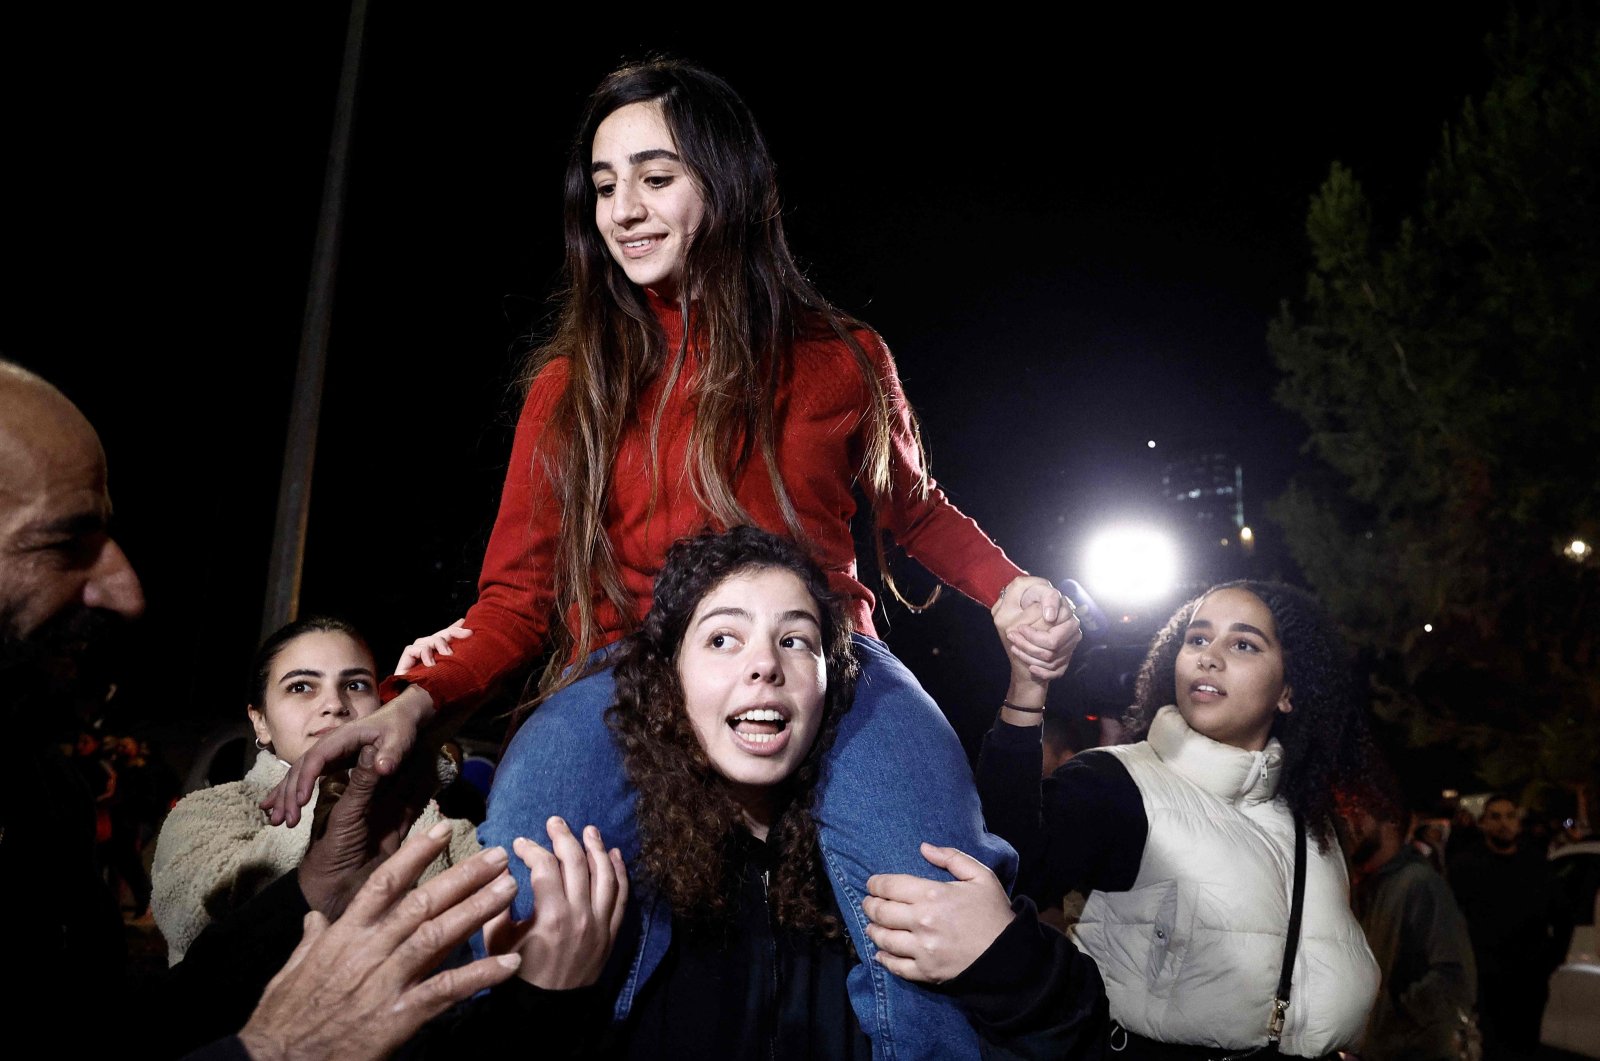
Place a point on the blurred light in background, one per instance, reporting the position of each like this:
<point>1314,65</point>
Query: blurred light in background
<point>1130,565</point>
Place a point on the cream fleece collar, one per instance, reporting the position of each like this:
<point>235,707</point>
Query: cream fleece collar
<point>1231,773</point>
<point>268,770</point>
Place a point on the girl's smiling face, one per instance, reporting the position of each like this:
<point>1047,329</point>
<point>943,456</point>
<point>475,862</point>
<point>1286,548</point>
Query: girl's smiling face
<point>647,206</point>
<point>1229,674</point>
<point>316,683</point>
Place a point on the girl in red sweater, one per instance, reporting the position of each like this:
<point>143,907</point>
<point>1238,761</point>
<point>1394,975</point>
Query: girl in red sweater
<point>696,380</point>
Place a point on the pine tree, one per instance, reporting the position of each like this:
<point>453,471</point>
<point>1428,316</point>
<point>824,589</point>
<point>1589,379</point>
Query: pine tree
<point>1448,375</point>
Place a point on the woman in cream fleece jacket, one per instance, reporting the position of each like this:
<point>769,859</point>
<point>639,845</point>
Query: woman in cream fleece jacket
<point>216,849</point>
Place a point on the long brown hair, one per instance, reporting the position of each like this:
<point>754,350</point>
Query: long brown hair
<point>752,306</point>
<point>688,816</point>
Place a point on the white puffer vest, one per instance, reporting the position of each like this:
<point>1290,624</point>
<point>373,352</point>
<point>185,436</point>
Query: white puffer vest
<point>1191,954</point>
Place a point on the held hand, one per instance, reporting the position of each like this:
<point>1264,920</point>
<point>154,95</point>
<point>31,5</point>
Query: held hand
<point>1045,646</point>
<point>579,896</point>
<point>424,649</point>
<point>390,731</point>
<point>359,987</point>
<point>1007,622</point>
<point>928,931</point>
<point>358,825</point>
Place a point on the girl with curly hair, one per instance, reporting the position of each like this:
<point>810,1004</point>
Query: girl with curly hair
<point>695,381</point>
<point>728,698</point>
<point>1185,842</point>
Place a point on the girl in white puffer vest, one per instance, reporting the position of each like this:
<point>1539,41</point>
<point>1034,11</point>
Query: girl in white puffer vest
<point>1184,843</point>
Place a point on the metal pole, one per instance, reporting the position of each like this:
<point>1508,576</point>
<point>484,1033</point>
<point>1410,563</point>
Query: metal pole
<point>305,408</point>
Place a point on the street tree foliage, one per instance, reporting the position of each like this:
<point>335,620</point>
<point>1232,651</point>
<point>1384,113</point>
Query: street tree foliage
<point>1447,370</point>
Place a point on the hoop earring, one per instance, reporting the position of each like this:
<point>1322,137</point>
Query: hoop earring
<point>260,747</point>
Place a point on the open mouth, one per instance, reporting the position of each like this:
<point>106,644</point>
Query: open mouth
<point>1205,691</point>
<point>760,729</point>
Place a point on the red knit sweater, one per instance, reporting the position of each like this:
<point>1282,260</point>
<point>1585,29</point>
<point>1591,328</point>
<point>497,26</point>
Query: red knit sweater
<point>821,430</point>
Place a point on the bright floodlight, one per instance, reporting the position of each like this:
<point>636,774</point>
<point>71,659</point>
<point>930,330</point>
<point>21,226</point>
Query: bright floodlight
<point>1131,565</point>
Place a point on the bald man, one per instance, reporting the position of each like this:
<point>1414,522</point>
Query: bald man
<point>60,570</point>
<point>64,586</point>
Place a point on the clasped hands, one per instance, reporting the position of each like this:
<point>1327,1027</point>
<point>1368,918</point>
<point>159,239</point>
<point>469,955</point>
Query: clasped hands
<point>1038,627</point>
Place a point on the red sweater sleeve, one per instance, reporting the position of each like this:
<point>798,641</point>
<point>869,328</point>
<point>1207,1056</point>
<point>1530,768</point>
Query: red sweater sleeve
<point>931,529</point>
<point>511,619</point>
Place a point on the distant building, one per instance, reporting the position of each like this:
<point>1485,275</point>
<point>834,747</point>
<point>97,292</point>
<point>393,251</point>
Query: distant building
<point>1204,492</point>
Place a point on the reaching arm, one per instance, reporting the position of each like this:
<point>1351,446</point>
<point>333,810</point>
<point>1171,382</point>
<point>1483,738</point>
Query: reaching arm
<point>509,624</point>
<point>923,521</point>
<point>511,618</point>
<point>1082,829</point>
<point>390,732</point>
<point>952,546</point>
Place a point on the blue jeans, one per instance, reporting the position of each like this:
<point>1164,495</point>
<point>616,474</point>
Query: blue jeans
<point>896,776</point>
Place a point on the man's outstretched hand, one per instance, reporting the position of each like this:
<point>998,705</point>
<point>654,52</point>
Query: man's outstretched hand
<point>358,988</point>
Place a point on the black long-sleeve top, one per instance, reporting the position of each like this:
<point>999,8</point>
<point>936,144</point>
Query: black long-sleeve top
<point>749,988</point>
<point>1081,829</point>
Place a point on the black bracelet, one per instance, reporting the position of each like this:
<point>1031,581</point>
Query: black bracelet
<point>1024,710</point>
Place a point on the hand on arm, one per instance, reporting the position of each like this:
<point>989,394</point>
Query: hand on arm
<point>423,650</point>
<point>579,895</point>
<point>359,987</point>
<point>391,732</point>
<point>929,931</point>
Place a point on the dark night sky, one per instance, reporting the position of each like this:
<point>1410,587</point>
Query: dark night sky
<point>1072,234</point>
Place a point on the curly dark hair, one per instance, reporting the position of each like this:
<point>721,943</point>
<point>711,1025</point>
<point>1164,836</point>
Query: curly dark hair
<point>688,816</point>
<point>1327,746</point>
